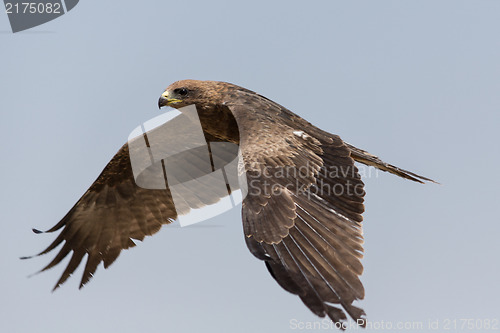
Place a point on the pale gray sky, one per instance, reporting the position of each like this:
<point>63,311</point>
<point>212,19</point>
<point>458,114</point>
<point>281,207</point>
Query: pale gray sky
<point>415,82</point>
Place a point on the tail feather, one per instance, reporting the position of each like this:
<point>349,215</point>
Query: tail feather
<point>365,157</point>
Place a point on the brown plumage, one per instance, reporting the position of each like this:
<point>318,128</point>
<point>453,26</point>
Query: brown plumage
<point>302,214</point>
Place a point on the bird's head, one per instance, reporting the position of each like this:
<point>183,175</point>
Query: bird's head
<point>188,92</point>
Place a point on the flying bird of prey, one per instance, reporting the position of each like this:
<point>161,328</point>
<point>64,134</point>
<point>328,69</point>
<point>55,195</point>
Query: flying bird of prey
<point>301,214</point>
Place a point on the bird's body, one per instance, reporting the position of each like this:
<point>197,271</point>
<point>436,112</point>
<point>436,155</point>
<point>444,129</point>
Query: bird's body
<point>301,215</point>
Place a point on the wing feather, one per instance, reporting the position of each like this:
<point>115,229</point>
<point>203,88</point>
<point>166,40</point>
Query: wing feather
<point>318,257</point>
<point>115,210</point>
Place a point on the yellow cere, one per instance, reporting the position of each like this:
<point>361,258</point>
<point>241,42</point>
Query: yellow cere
<point>170,100</point>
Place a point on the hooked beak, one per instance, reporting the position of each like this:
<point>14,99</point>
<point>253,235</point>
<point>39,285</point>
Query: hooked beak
<point>165,100</point>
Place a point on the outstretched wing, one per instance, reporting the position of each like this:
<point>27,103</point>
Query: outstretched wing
<point>302,212</point>
<point>115,210</point>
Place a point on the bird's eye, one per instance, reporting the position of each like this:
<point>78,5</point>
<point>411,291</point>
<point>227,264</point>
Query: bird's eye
<point>181,91</point>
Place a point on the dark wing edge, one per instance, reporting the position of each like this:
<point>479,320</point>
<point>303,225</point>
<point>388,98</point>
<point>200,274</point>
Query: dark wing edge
<point>112,213</point>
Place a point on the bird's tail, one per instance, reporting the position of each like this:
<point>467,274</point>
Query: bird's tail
<point>365,157</point>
